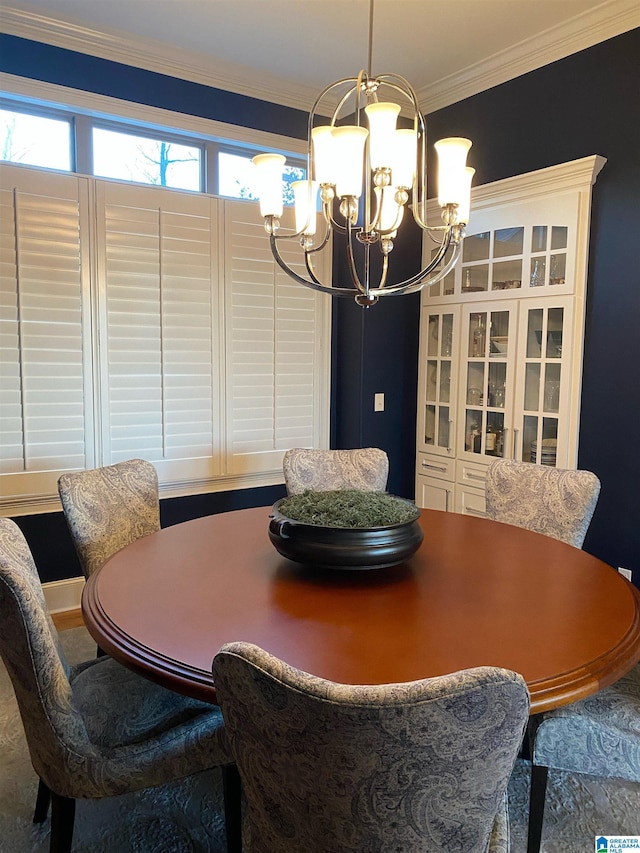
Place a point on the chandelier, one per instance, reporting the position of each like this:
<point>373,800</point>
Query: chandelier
<point>367,173</point>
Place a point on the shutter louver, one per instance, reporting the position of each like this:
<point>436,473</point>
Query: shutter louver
<point>275,364</point>
<point>42,351</point>
<point>160,282</point>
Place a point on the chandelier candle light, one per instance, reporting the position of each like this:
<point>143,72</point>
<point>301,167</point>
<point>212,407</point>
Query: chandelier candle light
<point>375,158</point>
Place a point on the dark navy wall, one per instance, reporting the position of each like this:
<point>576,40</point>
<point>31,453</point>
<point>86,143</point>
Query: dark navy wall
<point>79,71</point>
<point>588,103</point>
<point>375,350</point>
<point>55,556</point>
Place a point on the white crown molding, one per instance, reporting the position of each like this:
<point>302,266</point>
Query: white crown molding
<point>156,56</point>
<point>601,23</point>
<point>573,176</point>
<point>605,21</point>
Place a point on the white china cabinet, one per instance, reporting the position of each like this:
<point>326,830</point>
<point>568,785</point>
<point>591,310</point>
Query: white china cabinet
<point>501,337</point>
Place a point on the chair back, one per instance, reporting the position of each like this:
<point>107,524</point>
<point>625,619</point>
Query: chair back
<point>29,647</point>
<point>552,501</point>
<point>365,468</point>
<point>108,508</point>
<point>421,766</point>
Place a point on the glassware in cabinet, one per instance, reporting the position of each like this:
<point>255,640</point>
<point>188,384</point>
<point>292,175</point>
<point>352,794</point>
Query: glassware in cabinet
<point>487,371</point>
<point>541,420</point>
<point>437,378</point>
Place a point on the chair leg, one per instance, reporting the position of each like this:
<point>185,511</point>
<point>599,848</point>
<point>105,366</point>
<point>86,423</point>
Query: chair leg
<point>232,793</point>
<point>43,799</point>
<point>536,806</point>
<point>63,812</point>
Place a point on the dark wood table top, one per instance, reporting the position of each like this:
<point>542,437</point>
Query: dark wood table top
<point>477,592</point>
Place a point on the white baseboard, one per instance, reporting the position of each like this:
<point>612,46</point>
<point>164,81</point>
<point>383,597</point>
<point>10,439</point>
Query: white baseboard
<point>63,595</point>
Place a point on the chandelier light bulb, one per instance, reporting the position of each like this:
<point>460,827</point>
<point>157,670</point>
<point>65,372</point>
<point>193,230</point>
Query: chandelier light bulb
<point>382,133</point>
<point>405,153</point>
<point>349,142</point>
<point>389,212</point>
<point>453,186</point>
<point>465,204</point>
<point>268,183</point>
<point>305,194</point>
<point>323,154</point>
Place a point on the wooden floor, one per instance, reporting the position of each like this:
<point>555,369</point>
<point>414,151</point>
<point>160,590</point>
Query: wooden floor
<point>68,619</point>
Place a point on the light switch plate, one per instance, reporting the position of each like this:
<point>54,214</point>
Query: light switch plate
<point>378,402</point>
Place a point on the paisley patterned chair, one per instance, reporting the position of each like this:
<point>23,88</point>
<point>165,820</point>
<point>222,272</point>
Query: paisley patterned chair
<point>552,501</point>
<point>599,736</point>
<point>96,729</point>
<point>366,468</point>
<point>420,767</point>
<point>108,508</point>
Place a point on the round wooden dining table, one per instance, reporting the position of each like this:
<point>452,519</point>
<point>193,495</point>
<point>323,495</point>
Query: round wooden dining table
<point>477,592</point>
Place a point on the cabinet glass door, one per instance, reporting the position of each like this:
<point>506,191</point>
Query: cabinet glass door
<point>438,381</point>
<point>541,416</point>
<point>488,357</point>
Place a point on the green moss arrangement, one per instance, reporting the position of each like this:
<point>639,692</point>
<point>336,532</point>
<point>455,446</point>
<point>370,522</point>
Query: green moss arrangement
<point>347,508</point>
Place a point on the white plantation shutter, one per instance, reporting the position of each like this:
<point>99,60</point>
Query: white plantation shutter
<point>160,365</point>
<point>276,348</point>
<point>45,392</point>
<point>145,322</point>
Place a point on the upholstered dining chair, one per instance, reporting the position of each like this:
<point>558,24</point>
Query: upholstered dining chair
<point>95,730</point>
<point>421,766</point>
<point>552,501</point>
<point>108,508</point>
<point>598,736</point>
<point>364,468</point>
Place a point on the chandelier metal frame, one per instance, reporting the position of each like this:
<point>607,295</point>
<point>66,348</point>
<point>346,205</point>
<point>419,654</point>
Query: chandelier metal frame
<point>370,224</point>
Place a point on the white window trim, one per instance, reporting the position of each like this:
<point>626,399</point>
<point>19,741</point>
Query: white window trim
<point>114,109</point>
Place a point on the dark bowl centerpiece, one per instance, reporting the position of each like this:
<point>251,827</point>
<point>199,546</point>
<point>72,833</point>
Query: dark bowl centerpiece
<point>345,529</point>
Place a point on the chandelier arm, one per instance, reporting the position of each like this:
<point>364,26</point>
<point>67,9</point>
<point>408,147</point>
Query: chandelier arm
<point>326,90</point>
<point>331,222</point>
<point>385,270</point>
<point>352,264</point>
<point>415,283</point>
<point>309,264</point>
<point>332,291</point>
<point>313,249</point>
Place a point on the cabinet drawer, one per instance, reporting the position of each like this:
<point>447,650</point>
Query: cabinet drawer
<point>472,475</point>
<point>436,466</point>
<point>470,501</point>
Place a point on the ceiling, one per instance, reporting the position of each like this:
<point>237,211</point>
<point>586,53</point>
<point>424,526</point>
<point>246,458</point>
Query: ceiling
<point>287,50</point>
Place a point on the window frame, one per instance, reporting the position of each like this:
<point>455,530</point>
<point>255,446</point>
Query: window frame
<point>45,111</point>
<point>210,137</point>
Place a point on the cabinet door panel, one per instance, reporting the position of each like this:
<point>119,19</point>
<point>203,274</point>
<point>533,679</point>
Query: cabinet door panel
<point>487,376</point>
<point>470,501</point>
<point>433,494</point>
<point>544,382</point>
<point>438,381</point>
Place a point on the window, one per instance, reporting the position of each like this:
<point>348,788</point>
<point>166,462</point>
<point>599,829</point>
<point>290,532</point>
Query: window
<point>36,140</point>
<point>146,160</point>
<point>108,148</point>
<point>235,177</point>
